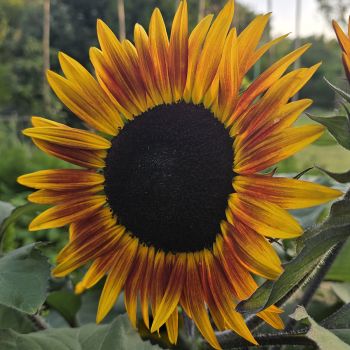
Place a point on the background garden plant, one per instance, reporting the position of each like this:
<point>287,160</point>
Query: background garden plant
<point>37,310</point>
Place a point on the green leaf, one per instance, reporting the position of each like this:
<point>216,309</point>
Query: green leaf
<point>340,319</point>
<point>339,91</point>
<point>117,335</point>
<point>5,210</point>
<point>17,213</point>
<point>342,290</point>
<point>323,238</point>
<point>340,270</point>
<point>89,305</point>
<point>338,126</point>
<point>339,177</point>
<point>66,303</point>
<point>324,338</point>
<point>24,278</point>
<point>18,321</point>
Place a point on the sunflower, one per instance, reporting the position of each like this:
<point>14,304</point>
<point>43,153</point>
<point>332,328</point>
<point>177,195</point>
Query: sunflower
<point>170,203</point>
<point>344,42</point>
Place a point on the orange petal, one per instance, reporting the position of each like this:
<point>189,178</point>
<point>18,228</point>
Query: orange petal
<point>85,158</point>
<point>275,148</point>
<point>68,137</point>
<point>81,93</point>
<point>56,197</point>
<point>147,67</point>
<point>344,41</point>
<point>222,295</point>
<point>212,52</point>
<point>287,193</point>
<point>122,72</point>
<point>193,300</point>
<point>195,43</point>
<point>172,293</point>
<point>123,261</point>
<point>133,283</point>
<point>253,250</point>
<point>277,96</point>
<point>265,218</point>
<point>178,51</point>
<point>63,214</point>
<point>264,81</point>
<point>249,39</point>
<point>159,47</point>
<point>61,179</point>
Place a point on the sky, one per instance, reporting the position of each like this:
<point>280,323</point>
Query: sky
<point>283,17</point>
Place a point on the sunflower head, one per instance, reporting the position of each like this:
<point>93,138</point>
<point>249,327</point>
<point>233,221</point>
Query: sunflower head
<point>169,201</point>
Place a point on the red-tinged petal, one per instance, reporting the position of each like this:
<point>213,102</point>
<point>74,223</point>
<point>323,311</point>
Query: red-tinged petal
<point>287,193</point>
<point>172,293</point>
<point>74,138</point>
<point>276,148</point>
<point>195,44</point>
<point>265,218</point>
<point>178,51</point>
<point>159,47</point>
<point>116,278</point>
<point>64,214</point>
<point>85,158</point>
<point>212,52</point>
<point>61,179</point>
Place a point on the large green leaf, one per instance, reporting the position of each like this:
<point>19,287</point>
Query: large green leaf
<point>5,210</point>
<point>340,270</point>
<point>16,320</point>
<point>325,339</point>
<point>323,238</point>
<point>342,290</point>
<point>24,277</point>
<point>14,214</point>
<point>118,335</point>
<point>338,126</point>
<point>66,303</point>
<point>338,320</point>
<point>339,177</point>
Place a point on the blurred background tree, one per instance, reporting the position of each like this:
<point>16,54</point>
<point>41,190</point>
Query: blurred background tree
<point>335,9</point>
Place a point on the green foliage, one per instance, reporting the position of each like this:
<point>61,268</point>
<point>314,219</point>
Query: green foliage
<point>24,275</point>
<point>324,338</point>
<point>117,335</point>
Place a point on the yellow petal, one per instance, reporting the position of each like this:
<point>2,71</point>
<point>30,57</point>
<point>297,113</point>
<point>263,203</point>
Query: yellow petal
<point>61,179</point>
<point>229,73</point>
<point>91,159</point>
<point>265,218</point>
<point>276,148</point>
<point>69,137</point>
<point>287,193</point>
<point>66,213</point>
<point>195,304</point>
<point>56,197</point>
<point>253,250</point>
<point>249,39</point>
<point>147,67</point>
<point>264,81</point>
<point>121,72</point>
<point>195,43</point>
<point>159,47</point>
<point>344,41</point>
<point>212,51</point>
<point>116,279</point>
<point>178,51</point>
<point>172,294</point>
